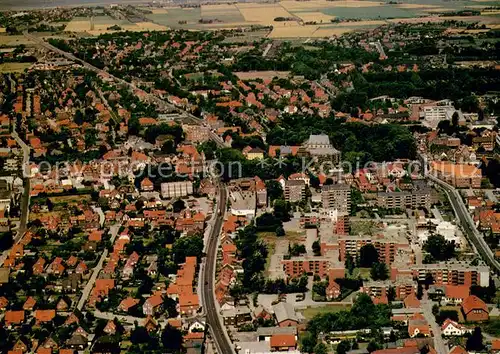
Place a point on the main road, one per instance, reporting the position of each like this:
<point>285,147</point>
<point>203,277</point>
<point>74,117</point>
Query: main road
<point>208,277</point>
<point>208,270</point>
<point>468,225</point>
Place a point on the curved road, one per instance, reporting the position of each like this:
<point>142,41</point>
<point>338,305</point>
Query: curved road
<point>468,224</point>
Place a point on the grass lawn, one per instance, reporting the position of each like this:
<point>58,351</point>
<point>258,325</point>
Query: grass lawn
<point>310,312</point>
<point>70,198</point>
<point>368,227</point>
<point>364,273</point>
<point>492,327</point>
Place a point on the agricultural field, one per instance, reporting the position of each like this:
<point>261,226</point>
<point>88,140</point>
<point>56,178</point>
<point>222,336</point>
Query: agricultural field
<point>227,13</point>
<point>262,14</point>
<point>172,16</point>
<point>319,13</point>
<point>101,24</point>
<point>12,41</point>
<point>14,67</point>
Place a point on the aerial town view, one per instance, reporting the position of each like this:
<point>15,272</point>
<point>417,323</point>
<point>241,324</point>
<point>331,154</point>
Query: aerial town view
<point>250,177</point>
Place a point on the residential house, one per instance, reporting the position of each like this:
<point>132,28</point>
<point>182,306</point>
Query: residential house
<point>152,305</point>
<point>44,316</point>
<point>452,328</point>
<point>475,309</point>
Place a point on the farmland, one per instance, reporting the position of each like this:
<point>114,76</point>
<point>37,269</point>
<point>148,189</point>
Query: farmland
<point>310,19</point>
<point>102,24</point>
<point>14,67</point>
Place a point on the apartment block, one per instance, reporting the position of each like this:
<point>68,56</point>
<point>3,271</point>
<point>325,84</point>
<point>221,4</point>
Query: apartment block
<point>452,273</point>
<point>458,175</point>
<point>295,190</point>
<point>402,287</point>
<point>196,133</point>
<point>404,200</point>
<point>336,196</point>
<point>176,189</point>
<point>316,265</point>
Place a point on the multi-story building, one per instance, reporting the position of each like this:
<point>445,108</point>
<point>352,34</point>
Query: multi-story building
<point>487,140</point>
<point>458,175</point>
<point>176,189</point>
<point>336,196</point>
<point>296,266</point>
<point>196,133</point>
<point>451,273</point>
<point>402,288</point>
<point>387,247</point>
<point>432,114</point>
<point>404,200</point>
<point>448,141</point>
<point>316,265</point>
<point>295,190</point>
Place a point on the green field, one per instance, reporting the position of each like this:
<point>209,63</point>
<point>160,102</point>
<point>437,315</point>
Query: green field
<point>310,312</point>
<point>174,15</point>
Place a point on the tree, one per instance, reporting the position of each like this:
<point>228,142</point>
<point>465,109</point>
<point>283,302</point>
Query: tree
<point>391,293</point>
<point>188,246</point>
<point>475,341</point>
<point>139,335</point>
<point>171,339</point>
<point>268,222</point>
<point>379,271</point>
<point>178,206</point>
<point>454,119</point>
<point>308,342</point>
<point>368,255</point>
<point>420,291</point>
<point>429,280</point>
<point>6,240</point>
<point>280,231</point>
<point>282,210</point>
<point>343,347</point>
<point>435,310</point>
<point>439,248</point>
<point>274,190</point>
<point>372,346</point>
<point>320,288</point>
<point>349,263</point>
<point>316,247</point>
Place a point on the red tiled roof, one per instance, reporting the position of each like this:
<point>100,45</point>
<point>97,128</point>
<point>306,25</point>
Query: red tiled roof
<point>45,315</point>
<point>14,316</point>
<point>457,291</point>
<point>411,301</point>
<point>473,303</point>
<point>283,340</point>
